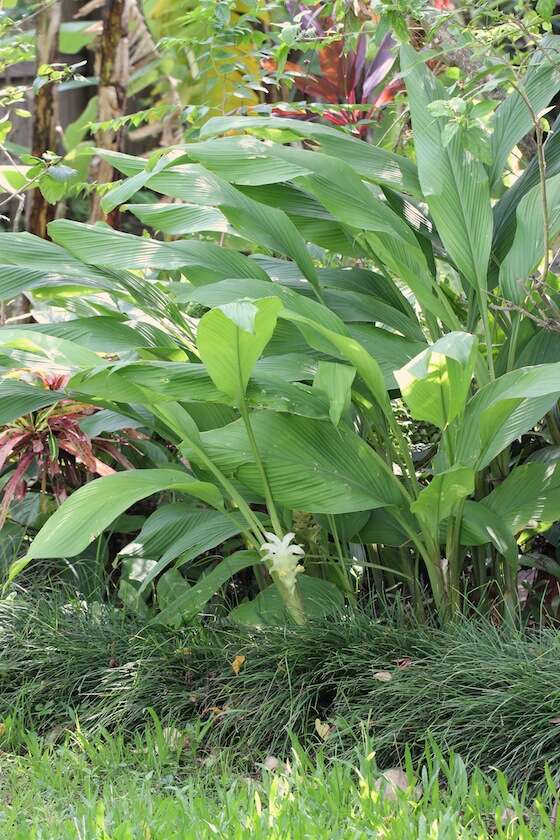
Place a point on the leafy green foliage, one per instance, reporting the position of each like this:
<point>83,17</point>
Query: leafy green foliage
<point>263,350</point>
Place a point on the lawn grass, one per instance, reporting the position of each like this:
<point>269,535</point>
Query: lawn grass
<point>160,786</point>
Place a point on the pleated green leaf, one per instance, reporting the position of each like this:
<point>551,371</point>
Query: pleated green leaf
<point>335,381</point>
<point>88,511</point>
<point>528,496</point>
<point>180,219</point>
<point>177,534</point>
<point>505,409</point>
<point>370,161</point>
<point>454,184</point>
<point>438,499</point>
<point>310,465</point>
<point>102,246</point>
<point>435,384</point>
<point>527,249</point>
<point>59,351</point>
<point>193,600</point>
<point>232,337</point>
<point>18,398</point>
<point>512,120</point>
<point>266,225</point>
<point>242,160</point>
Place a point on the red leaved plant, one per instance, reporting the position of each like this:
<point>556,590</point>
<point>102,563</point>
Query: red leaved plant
<point>51,440</point>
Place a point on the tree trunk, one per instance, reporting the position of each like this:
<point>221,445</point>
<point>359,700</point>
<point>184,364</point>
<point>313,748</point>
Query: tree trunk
<point>43,138</point>
<point>113,80</point>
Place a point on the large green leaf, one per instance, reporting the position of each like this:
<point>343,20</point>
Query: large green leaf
<point>229,291</point>
<point>435,384</point>
<point>19,398</point>
<point>177,219</point>
<point>232,337</point>
<point>505,208</point>
<point>329,341</point>
<point>268,226</point>
<point>505,409</point>
<point>32,252</point>
<point>189,604</point>
<point>85,514</point>
<point>512,120</point>
<point>242,160</point>
<point>372,162</point>
<point>438,499</point>
<point>529,495</point>
<point>480,525</point>
<point>99,333</point>
<point>271,386</point>
<point>528,244</point>
<point>320,599</point>
<point>310,465</point>
<point>58,351</point>
<point>177,533</point>
<point>390,350</point>
<point>454,184</point>
<point>15,280</point>
<point>101,246</point>
<point>335,381</point>
<point>337,186</point>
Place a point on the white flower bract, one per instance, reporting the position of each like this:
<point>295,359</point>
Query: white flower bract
<point>283,557</point>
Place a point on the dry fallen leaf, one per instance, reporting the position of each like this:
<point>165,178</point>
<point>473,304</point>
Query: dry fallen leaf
<point>405,662</point>
<point>238,663</point>
<point>382,676</point>
<point>555,720</point>
<point>215,710</point>
<point>271,763</point>
<point>508,816</point>
<point>393,780</point>
<point>322,729</point>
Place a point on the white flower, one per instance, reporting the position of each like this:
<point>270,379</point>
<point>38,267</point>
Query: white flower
<point>283,558</point>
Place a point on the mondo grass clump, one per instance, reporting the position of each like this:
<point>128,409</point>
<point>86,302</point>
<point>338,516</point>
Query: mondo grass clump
<point>64,659</point>
<point>490,695</point>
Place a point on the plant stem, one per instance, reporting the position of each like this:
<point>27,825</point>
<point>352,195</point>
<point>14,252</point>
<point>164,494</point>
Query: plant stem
<point>431,559</point>
<point>274,518</point>
<point>513,339</point>
<point>487,334</point>
<point>454,556</point>
<point>341,565</point>
<point>291,598</point>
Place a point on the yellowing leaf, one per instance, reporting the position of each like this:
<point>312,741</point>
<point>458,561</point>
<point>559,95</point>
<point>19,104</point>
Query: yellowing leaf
<point>237,663</point>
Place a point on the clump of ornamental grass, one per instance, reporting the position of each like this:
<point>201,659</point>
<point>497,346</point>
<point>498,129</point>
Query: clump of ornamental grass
<point>491,695</point>
<point>63,658</point>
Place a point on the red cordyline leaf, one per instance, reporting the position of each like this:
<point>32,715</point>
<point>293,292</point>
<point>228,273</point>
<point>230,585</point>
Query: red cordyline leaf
<point>11,486</point>
<point>7,447</point>
<point>389,92</point>
<point>53,381</point>
<point>79,445</point>
<point>112,450</point>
